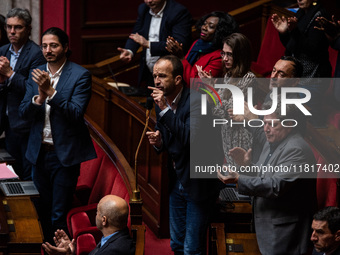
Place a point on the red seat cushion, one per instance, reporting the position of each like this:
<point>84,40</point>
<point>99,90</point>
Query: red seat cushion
<point>85,244</point>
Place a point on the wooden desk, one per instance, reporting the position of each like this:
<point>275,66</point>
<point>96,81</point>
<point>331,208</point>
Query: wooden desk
<point>232,243</point>
<point>245,241</point>
<point>24,230</point>
<point>236,216</point>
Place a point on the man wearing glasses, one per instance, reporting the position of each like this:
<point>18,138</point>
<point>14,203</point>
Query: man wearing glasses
<point>17,60</point>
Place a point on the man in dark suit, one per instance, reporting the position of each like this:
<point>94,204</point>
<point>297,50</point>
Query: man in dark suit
<point>17,60</point>
<point>111,219</point>
<point>56,98</point>
<point>178,128</point>
<point>284,184</point>
<point>326,231</point>
<point>157,19</point>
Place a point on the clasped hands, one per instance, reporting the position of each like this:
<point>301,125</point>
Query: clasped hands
<point>5,69</point>
<point>45,87</point>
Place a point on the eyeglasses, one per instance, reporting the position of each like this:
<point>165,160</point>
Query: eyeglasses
<point>15,27</point>
<point>228,54</point>
<point>53,46</point>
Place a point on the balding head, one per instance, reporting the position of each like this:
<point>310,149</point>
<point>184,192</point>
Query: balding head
<point>112,213</point>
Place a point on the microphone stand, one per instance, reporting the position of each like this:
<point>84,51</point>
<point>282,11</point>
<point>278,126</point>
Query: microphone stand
<point>136,192</point>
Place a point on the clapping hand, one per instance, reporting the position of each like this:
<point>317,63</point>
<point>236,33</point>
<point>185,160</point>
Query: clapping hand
<point>174,47</point>
<point>64,246</point>
<point>231,177</point>
<point>241,156</point>
<point>280,23</point>
<point>125,55</point>
<point>330,27</point>
<point>205,76</point>
<point>140,40</point>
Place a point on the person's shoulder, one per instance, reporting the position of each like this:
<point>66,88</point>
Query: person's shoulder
<point>297,142</point>
<point>75,67</point>
<point>172,5</point>
<point>122,243</point>
<point>142,9</point>
<point>4,48</point>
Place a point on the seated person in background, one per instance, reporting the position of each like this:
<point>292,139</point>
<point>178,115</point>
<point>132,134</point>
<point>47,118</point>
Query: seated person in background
<point>204,53</point>
<point>236,58</point>
<point>157,19</point>
<point>310,46</point>
<point>326,231</point>
<point>332,31</point>
<point>111,219</point>
<point>283,200</point>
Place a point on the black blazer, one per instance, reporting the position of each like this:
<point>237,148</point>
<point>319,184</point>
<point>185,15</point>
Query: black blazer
<point>176,22</point>
<point>119,244</point>
<point>184,130</point>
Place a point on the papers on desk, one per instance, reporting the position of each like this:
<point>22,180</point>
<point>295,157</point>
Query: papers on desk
<point>118,85</point>
<point>7,173</point>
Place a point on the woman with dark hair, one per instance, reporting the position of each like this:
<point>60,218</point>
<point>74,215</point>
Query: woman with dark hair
<point>205,52</point>
<point>236,58</point>
<point>3,34</point>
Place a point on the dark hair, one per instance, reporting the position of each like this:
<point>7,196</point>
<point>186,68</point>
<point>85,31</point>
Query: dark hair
<point>241,47</point>
<point>226,25</point>
<point>62,37</point>
<point>298,68</point>
<point>331,215</point>
<point>23,14</point>
<point>177,66</point>
<point>3,34</point>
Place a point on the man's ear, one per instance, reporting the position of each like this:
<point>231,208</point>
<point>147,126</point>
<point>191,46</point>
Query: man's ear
<point>178,79</point>
<point>104,220</point>
<point>66,47</point>
<point>337,236</point>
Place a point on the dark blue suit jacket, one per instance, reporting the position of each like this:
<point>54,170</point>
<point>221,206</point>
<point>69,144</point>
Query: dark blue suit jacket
<point>30,58</point>
<point>176,22</point>
<point>119,244</point>
<point>184,130</point>
<point>71,138</point>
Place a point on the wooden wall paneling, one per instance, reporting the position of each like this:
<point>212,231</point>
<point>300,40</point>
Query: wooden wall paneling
<point>100,47</point>
<point>98,106</point>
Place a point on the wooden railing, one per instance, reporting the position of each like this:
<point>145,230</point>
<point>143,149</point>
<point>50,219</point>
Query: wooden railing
<point>123,120</point>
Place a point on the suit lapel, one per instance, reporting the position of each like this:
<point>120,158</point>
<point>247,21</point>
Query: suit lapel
<point>113,238</point>
<point>65,75</point>
<point>183,99</point>
<point>164,19</point>
<point>23,54</point>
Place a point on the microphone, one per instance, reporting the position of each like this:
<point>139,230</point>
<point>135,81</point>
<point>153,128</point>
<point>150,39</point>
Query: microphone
<point>148,105</point>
